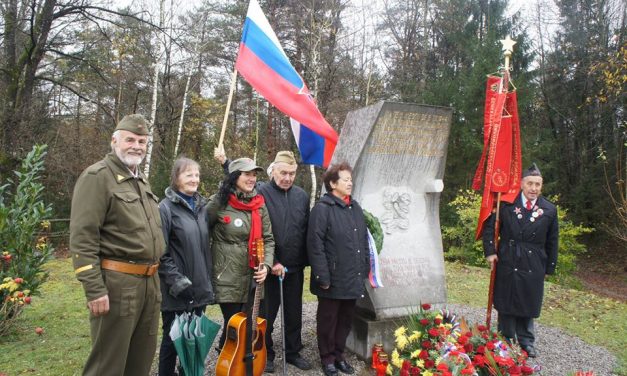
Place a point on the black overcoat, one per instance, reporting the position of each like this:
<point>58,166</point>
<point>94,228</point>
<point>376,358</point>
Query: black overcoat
<point>527,252</point>
<point>337,246</point>
<point>187,260</point>
<point>289,212</point>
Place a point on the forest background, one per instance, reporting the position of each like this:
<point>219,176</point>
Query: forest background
<point>69,70</point>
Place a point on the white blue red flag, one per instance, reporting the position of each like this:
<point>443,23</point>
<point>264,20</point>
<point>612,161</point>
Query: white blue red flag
<point>374,276</point>
<point>265,66</point>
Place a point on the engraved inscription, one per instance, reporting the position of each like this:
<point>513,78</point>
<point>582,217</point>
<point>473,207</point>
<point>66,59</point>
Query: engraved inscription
<point>396,214</point>
<point>403,271</point>
<point>410,133</point>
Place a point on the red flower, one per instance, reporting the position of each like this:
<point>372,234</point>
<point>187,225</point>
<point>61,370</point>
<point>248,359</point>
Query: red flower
<point>429,363</point>
<point>503,361</point>
<point>526,370</point>
<point>423,355</point>
<point>481,350</point>
<point>426,306</point>
<point>462,340</point>
<point>482,328</point>
<point>226,219</point>
<point>437,321</point>
<point>414,371</point>
<point>468,334</point>
<point>424,322</point>
<point>468,348</point>
<point>467,371</point>
<point>433,332</point>
<point>406,365</point>
<point>442,367</point>
<point>426,345</point>
<point>446,373</point>
<point>515,370</point>
<point>18,280</point>
<point>490,346</point>
<point>479,360</point>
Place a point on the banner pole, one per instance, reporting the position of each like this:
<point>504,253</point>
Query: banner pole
<point>493,269</point>
<point>508,45</point>
<point>228,107</point>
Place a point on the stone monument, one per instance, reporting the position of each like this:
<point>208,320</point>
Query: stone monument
<point>398,153</point>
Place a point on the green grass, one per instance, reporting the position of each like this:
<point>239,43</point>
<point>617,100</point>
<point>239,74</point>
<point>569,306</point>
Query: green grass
<point>596,320</point>
<point>65,344</point>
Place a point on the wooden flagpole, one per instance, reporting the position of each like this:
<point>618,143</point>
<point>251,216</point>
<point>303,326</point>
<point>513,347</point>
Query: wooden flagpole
<point>228,107</point>
<point>508,45</point>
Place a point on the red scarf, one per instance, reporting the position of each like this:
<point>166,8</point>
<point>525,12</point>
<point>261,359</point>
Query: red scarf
<point>255,226</point>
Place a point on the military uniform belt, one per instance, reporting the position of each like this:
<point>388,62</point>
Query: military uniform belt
<point>129,268</point>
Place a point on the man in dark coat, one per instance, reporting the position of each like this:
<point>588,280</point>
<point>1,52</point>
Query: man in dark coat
<point>288,207</point>
<point>527,253</point>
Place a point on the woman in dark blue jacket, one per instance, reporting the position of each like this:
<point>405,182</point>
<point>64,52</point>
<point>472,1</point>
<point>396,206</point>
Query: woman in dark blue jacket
<point>337,246</point>
<point>186,266</point>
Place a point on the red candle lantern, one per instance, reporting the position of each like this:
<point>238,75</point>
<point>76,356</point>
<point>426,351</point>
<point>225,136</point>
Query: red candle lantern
<point>376,349</point>
<point>382,367</point>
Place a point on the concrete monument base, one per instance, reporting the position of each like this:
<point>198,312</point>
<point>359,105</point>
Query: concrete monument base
<point>366,332</point>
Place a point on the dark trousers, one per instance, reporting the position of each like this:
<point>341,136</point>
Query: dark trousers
<point>517,328</point>
<point>228,310</point>
<point>167,352</point>
<point>293,311</point>
<point>333,323</point>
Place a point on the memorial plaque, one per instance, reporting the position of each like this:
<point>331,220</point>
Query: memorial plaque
<point>398,153</point>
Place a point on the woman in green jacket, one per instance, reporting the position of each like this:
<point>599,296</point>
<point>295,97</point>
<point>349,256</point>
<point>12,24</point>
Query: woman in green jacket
<point>238,216</point>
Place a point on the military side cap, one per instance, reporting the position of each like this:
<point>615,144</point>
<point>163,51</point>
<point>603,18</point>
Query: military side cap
<point>285,156</point>
<point>533,170</point>
<point>135,123</point>
<point>243,164</point>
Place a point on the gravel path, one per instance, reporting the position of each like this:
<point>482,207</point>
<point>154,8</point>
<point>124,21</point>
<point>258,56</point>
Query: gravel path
<point>559,353</point>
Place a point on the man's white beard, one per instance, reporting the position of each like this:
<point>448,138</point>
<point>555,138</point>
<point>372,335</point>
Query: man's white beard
<point>129,160</point>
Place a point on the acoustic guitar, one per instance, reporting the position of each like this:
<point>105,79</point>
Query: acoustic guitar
<point>231,361</point>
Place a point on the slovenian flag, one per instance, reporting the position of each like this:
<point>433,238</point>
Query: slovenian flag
<point>263,63</point>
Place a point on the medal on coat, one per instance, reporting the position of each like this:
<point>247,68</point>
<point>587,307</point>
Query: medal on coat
<point>518,213</point>
<point>238,222</point>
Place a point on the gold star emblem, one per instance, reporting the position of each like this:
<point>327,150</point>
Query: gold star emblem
<point>508,44</point>
<point>120,178</point>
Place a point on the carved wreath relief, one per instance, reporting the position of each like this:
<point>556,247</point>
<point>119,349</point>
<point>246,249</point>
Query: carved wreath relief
<point>396,214</point>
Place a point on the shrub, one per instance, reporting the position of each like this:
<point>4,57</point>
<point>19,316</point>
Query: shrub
<point>23,215</point>
<point>460,244</point>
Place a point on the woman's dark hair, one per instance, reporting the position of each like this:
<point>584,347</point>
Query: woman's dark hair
<point>332,175</point>
<point>180,164</point>
<point>227,187</point>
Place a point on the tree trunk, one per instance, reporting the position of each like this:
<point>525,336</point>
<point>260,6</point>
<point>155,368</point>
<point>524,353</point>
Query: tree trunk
<point>155,92</point>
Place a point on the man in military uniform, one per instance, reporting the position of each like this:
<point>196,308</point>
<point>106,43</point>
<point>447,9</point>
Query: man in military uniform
<point>116,241</point>
<point>527,253</point>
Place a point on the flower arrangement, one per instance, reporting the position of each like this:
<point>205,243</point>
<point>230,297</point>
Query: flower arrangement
<point>436,343</point>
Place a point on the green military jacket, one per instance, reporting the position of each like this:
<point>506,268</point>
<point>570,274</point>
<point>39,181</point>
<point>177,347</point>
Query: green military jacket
<point>232,277</point>
<point>112,217</point>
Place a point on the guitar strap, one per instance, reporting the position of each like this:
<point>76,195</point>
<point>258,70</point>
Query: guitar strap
<point>249,355</point>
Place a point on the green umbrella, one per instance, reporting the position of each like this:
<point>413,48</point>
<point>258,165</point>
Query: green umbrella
<point>193,336</point>
<point>204,334</point>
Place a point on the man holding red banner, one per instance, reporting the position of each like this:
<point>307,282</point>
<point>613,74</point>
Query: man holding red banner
<point>527,252</point>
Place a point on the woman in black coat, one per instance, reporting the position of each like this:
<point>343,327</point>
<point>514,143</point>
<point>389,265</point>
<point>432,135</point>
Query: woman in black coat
<point>337,246</point>
<point>186,266</point>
